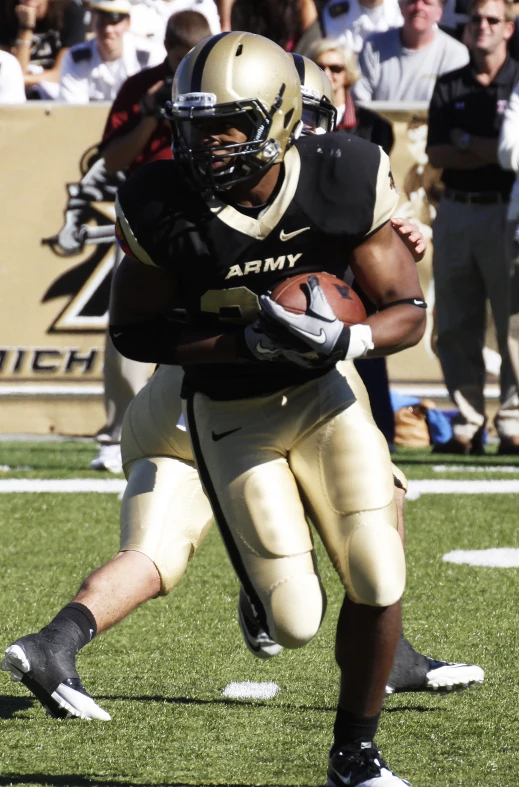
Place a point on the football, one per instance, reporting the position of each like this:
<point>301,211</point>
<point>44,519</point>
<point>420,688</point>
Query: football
<point>344,301</point>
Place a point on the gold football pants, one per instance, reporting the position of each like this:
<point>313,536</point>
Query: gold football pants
<point>165,514</point>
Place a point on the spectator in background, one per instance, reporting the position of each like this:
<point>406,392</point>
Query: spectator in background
<point>352,21</point>
<point>149,17</point>
<point>96,69</point>
<point>136,133</point>
<point>283,22</point>
<point>12,88</point>
<point>340,66</point>
<point>403,64</point>
<point>38,33</point>
<point>508,153</point>
<point>470,264</point>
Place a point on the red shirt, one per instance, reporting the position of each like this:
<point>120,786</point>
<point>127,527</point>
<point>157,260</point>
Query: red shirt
<point>126,114</point>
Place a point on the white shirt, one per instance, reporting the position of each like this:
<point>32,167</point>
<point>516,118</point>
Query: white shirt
<point>149,17</point>
<point>390,72</point>
<point>352,23</point>
<point>12,88</point>
<point>86,77</point>
<point>508,150</point>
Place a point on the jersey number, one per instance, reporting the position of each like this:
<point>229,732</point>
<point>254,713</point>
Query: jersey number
<point>236,305</point>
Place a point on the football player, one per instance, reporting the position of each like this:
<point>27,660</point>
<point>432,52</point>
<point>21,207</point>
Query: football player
<point>275,429</point>
<point>161,531</point>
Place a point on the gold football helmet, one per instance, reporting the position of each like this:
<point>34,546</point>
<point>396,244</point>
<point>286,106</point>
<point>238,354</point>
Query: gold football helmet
<point>241,77</point>
<point>319,114</point>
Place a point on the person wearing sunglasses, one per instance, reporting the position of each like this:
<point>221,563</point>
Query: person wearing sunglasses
<point>402,64</point>
<point>470,263</point>
<point>96,69</point>
<point>339,63</point>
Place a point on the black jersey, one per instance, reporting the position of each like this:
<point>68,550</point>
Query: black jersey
<point>336,191</point>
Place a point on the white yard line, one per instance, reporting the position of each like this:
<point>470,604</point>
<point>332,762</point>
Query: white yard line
<point>443,486</point>
<point>104,485</point>
<point>435,486</point>
<point>475,469</point>
<point>248,690</point>
<point>497,557</point>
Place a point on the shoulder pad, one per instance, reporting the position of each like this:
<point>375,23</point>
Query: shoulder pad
<point>150,205</point>
<point>80,53</point>
<point>143,56</point>
<point>345,185</point>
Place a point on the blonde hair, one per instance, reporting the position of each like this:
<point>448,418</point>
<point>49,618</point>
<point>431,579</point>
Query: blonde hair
<point>348,57</point>
<point>508,4</point>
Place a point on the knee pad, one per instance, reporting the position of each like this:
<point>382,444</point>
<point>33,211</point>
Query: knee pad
<point>376,561</point>
<point>165,515</point>
<point>295,610</point>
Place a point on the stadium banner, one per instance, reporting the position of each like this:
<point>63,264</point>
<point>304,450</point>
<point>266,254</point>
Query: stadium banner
<point>58,250</point>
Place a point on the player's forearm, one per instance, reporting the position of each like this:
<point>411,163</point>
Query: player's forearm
<point>396,329</point>
<point>122,151</point>
<point>484,148</point>
<point>451,157</point>
<point>22,48</point>
<point>162,340</point>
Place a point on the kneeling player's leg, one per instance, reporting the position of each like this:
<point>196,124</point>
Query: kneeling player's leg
<point>164,515</point>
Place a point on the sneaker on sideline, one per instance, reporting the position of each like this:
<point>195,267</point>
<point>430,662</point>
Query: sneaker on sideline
<point>108,458</point>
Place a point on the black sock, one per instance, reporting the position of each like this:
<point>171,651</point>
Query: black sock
<point>409,667</point>
<point>349,728</point>
<point>74,626</point>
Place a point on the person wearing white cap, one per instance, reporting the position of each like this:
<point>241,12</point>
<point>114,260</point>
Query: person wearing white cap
<point>149,17</point>
<point>96,69</point>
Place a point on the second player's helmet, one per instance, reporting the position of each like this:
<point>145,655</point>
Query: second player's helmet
<point>319,113</point>
<point>226,77</point>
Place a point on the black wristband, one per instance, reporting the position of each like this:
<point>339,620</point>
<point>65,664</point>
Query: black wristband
<point>32,29</point>
<point>418,302</point>
<point>342,344</point>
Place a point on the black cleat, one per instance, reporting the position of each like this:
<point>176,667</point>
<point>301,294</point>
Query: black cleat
<point>361,765</point>
<point>49,672</point>
<point>256,638</point>
<point>417,673</point>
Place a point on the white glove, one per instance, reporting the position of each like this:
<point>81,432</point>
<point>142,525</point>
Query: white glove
<point>325,336</point>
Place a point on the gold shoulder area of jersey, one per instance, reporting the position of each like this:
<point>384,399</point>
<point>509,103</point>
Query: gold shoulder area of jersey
<point>284,262</point>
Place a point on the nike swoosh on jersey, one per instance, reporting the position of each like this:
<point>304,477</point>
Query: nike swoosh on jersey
<point>320,337</point>
<point>220,436</point>
<point>287,235</point>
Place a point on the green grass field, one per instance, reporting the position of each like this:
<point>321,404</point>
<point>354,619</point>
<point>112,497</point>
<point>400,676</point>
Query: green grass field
<point>161,673</point>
